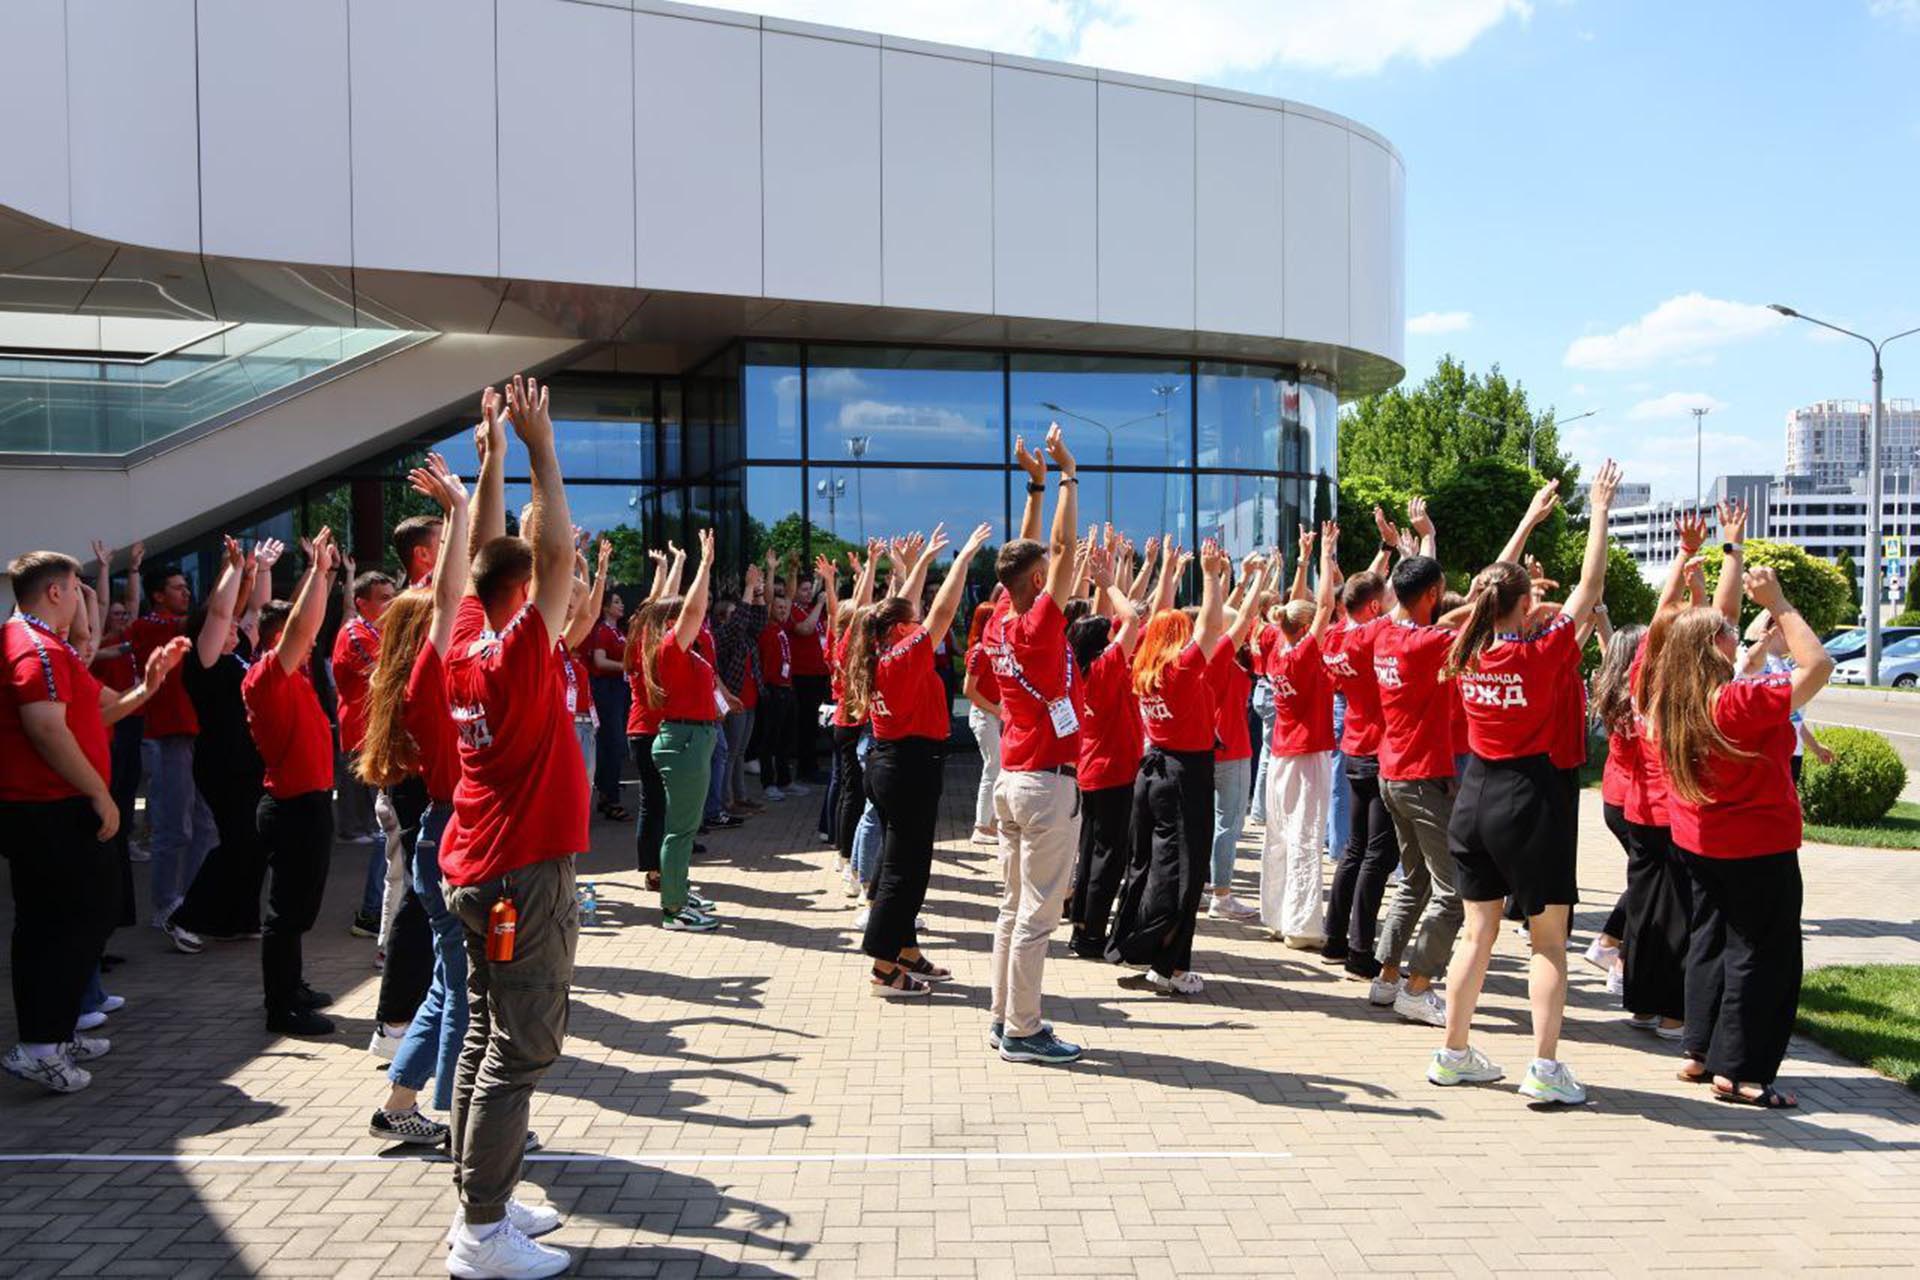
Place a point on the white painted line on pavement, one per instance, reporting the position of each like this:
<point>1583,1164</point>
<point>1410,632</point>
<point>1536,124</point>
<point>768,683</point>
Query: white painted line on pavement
<point>1842,724</point>
<point>660,1161</point>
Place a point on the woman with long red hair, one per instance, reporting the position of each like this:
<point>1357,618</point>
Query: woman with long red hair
<point>1173,795</point>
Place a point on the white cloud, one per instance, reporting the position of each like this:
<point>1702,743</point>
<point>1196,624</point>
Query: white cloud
<point>1905,10</point>
<point>1194,40</point>
<point>1674,404</point>
<point>1688,329</point>
<point>1431,322</point>
<point>1664,458</point>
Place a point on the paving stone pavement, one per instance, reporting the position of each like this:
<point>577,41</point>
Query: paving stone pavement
<point>736,1105</point>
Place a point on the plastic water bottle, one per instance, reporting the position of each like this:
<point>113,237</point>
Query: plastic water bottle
<point>589,903</point>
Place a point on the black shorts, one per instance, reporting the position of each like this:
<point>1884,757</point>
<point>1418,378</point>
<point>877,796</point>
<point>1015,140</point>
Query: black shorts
<point>1512,834</point>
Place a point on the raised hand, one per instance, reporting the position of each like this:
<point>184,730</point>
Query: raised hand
<point>1418,517</point>
<point>137,556</point>
<point>102,553</point>
<point>981,534</point>
<point>1058,451</point>
<point>706,545</point>
<point>162,661</point>
<point>1692,531</point>
<point>1763,588</point>
<point>230,550</point>
<point>823,567</point>
<point>267,553</point>
<point>527,406</point>
<point>1030,462</point>
<point>1733,521</point>
<point>1388,534</point>
<point>1545,499</point>
<point>1214,561</point>
<point>606,556</point>
<point>1329,535</point>
<point>1100,567</point>
<point>936,544</point>
<point>752,580</point>
<point>1605,485</point>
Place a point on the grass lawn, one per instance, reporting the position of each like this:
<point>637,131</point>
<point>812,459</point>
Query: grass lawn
<point>1870,1013</point>
<point>1900,829</point>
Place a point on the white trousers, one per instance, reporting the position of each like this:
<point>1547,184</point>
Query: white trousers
<point>1299,790</point>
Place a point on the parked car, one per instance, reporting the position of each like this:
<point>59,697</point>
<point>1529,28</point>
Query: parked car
<point>1852,643</point>
<point>1899,665</point>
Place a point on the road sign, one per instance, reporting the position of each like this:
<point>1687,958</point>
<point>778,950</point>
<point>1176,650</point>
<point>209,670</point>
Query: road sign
<point>1890,546</point>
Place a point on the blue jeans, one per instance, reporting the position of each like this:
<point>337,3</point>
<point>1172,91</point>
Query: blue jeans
<point>183,829</point>
<point>96,994</point>
<point>432,1043</point>
<point>717,780</point>
<point>1229,816</point>
<point>1262,707</point>
<point>1340,805</point>
<point>866,836</point>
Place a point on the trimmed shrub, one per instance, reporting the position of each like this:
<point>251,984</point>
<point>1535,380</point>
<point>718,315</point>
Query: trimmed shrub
<point>1861,784</point>
<point>1911,618</point>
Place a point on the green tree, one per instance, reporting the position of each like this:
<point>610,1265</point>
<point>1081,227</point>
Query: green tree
<point>1476,507</point>
<point>1419,436</point>
<point>1359,494</point>
<point>1816,587</point>
<point>1845,564</point>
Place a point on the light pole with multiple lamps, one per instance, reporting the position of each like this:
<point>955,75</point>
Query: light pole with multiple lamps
<point>1166,391</point>
<point>832,490</point>
<point>1875,503</point>
<point>857,449</point>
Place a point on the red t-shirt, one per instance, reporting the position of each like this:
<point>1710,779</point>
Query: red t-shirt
<point>43,667</point>
<point>776,657</point>
<point>1616,776</point>
<point>1462,736</point>
<point>289,728</point>
<point>576,680</point>
<point>687,679</point>
<point>522,796</point>
<point>1349,658</point>
<point>908,699</point>
<point>643,718</point>
<point>1569,749</point>
<point>809,651</point>
<point>1181,708</point>
<point>605,639</point>
<point>1648,802</point>
<point>116,673</point>
<point>356,652</point>
<point>1753,807</point>
<point>1514,695</point>
<point>428,721</point>
<point>169,712</point>
<point>980,666</point>
<point>1033,646</point>
<point>1302,697</point>
<point>1416,705</point>
<point>1233,687</point>
<point>1112,737</point>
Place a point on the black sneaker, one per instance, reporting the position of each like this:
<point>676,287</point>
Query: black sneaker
<point>299,1022</point>
<point>407,1126</point>
<point>307,998</point>
<point>1086,948</point>
<point>364,925</point>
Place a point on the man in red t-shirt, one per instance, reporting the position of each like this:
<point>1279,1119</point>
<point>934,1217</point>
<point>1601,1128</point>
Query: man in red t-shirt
<point>1037,798</point>
<point>57,815</point>
<point>1299,777</point>
<point>296,815</point>
<point>416,544</point>
<point>1360,876</point>
<point>1417,784</point>
<point>182,830</point>
<point>356,652</point>
<point>519,817</point>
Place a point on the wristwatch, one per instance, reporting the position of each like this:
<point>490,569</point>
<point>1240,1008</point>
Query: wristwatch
<point>1035,488</point>
<point>1733,548</point>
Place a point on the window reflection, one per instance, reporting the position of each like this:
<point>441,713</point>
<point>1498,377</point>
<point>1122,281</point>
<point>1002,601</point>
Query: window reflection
<point>1254,513</point>
<point>774,511</point>
<point>1143,505</point>
<point>1320,420</point>
<point>1131,412</point>
<point>1240,415</point>
<point>904,405</point>
<point>772,389</point>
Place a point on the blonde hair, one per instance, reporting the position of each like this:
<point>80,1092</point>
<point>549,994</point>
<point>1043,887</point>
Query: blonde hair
<point>1684,674</point>
<point>388,753</point>
<point>1295,617</point>
<point>650,622</point>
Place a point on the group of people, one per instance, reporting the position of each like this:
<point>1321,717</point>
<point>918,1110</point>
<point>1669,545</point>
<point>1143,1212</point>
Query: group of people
<point>1122,735</point>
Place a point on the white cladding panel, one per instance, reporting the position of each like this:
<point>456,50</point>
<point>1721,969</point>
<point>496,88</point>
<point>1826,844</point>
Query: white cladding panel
<point>1313,226</point>
<point>1146,207</point>
<point>567,218</point>
<point>820,117</point>
<point>1370,226</point>
<point>275,157</point>
<point>936,174</point>
<point>1237,250</point>
<point>1045,218</point>
<point>33,102</point>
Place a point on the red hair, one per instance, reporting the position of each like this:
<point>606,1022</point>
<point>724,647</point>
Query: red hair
<point>1166,635</point>
<point>978,627</point>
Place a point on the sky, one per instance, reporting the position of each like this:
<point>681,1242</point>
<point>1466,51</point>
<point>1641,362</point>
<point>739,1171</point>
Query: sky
<point>1602,195</point>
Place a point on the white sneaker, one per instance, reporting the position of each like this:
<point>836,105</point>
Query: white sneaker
<point>1468,1067</point>
<point>507,1254</point>
<point>185,942</point>
<point>86,1048</point>
<point>530,1220</point>
<point>55,1074</point>
<point>1425,1007</point>
<point>113,1004</point>
<point>1553,1084</point>
<point>1228,907</point>
<point>88,1021</point>
<point>775,794</point>
<point>1381,992</point>
<point>1185,984</point>
<point>384,1043</point>
<point>1601,957</point>
<point>860,920</point>
<point>752,767</point>
<point>1617,980</point>
<point>799,789</point>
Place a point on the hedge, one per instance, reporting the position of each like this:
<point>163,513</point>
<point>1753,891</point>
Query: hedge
<point>1861,784</point>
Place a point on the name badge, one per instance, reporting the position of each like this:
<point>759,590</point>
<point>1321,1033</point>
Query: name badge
<point>719,702</point>
<point>1065,721</point>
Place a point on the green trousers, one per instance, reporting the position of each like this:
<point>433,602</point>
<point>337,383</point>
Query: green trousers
<point>684,755</point>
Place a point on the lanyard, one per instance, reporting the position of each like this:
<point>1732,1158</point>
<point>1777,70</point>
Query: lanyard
<point>34,627</point>
<point>357,623</point>
<point>1020,676</point>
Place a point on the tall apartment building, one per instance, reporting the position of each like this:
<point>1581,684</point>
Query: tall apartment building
<point>1827,441</point>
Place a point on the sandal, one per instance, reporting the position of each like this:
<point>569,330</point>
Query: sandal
<point>615,813</point>
<point>1768,1099</point>
<point>896,985</point>
<point>1687,1074</point>
<point>653,882</point>
<point>924,969</point>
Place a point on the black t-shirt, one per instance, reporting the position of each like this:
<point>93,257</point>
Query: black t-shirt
<point>225,746</point>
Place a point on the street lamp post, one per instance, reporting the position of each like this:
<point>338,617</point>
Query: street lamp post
<point>832,490</point>
<point>1064,412</point>
<point>1699,412</point>
<point>1875,506</point>
<point>857,449</point>
<point>1532,427</point>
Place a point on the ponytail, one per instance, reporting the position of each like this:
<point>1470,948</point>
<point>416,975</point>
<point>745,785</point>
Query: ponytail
<point>1496,590</point>
<point>868,636</point>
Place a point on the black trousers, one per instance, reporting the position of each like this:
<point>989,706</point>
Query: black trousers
<point>1106,819</point>
<point>651,828</point>
<point>1616,817</point>
<point>224,899</point>
<point>1659,903</point>
<point>1172,854</point>
<point>124,760</point>
<point>610,699</point>
<point>1360,877</point>
<point>903,779</point>
<point>773,720</point>
<point>850,787</point>
<point>298,835</point>
<point>809,694</point>
<point>408,971</point>
<point>1743,964</point>
<point>66,896</point>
